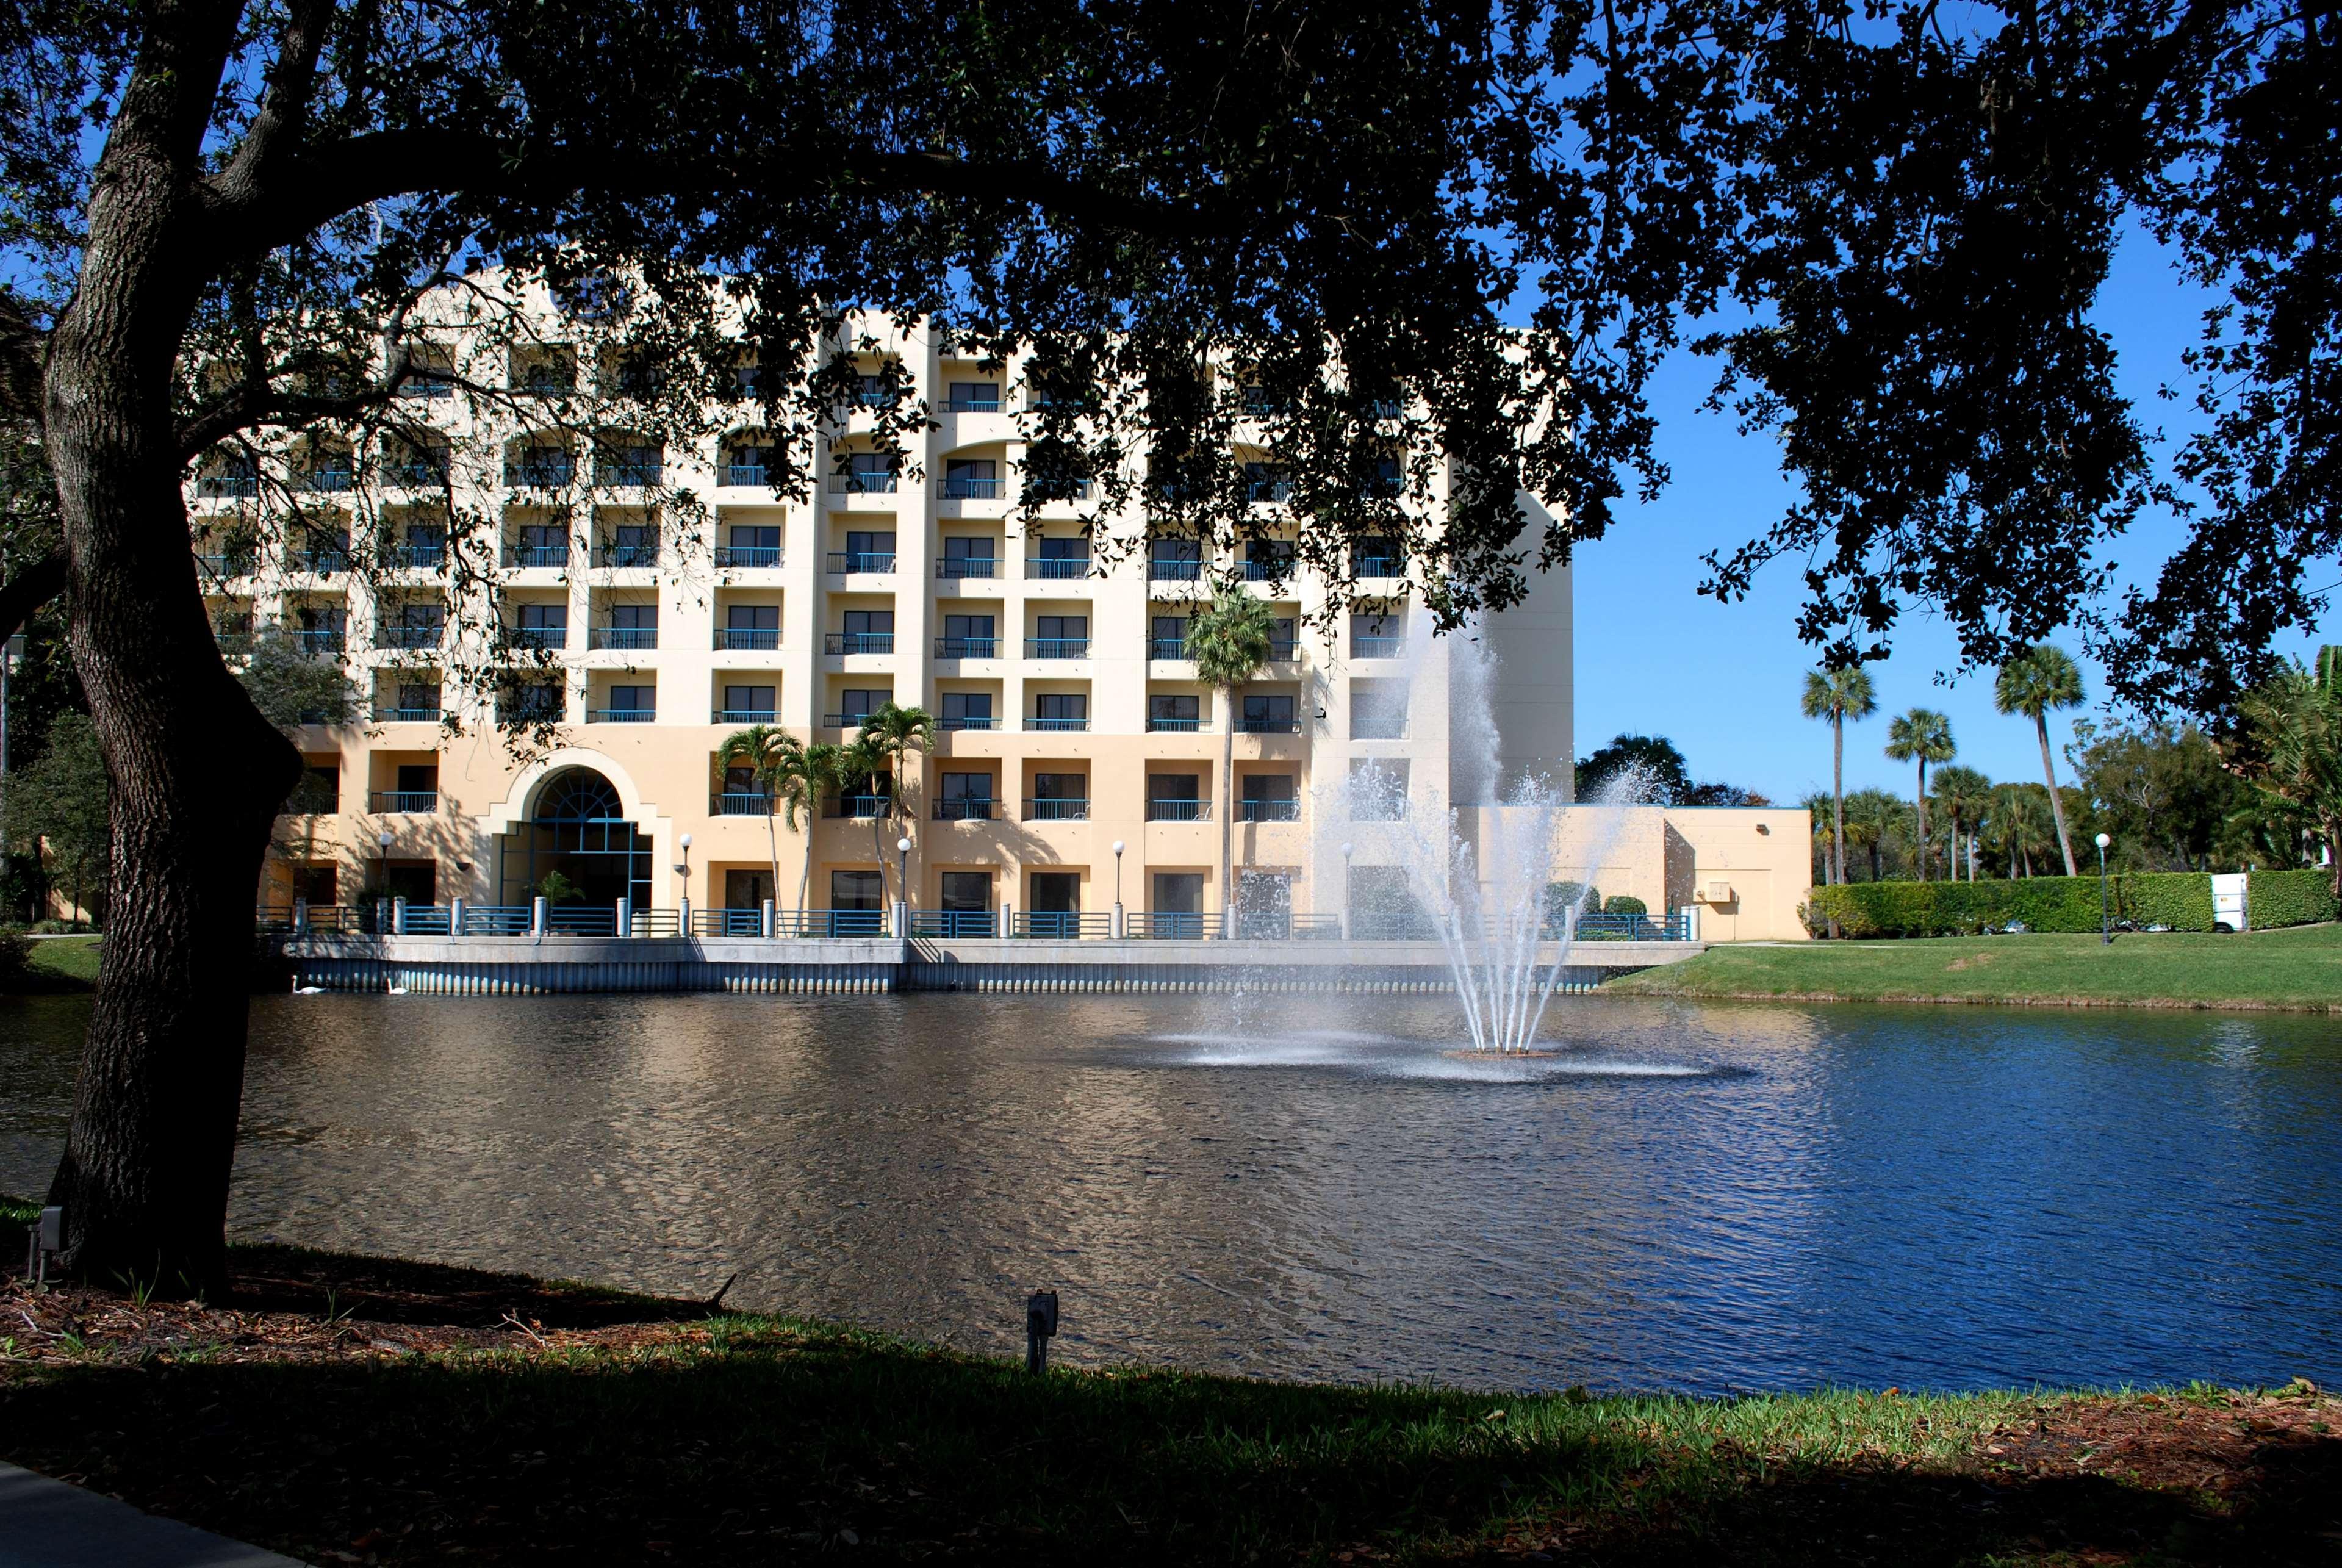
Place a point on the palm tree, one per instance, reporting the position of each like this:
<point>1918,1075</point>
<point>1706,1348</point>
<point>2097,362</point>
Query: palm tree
<point>2295,723</point>
<point>1921,736</point>
<point>760,749</point>
<point>1229,640</point>
<point>1874,817</point>
<point>1838,695</point>
<point>1963,793</point>
<point>2042,677</point>
<point>897,733</point>
<point>864,761</point>
<point>2016,826</point>
<point>806,775</point>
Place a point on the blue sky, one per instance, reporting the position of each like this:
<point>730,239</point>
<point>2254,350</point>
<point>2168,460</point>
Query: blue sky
<point>1722,681</point>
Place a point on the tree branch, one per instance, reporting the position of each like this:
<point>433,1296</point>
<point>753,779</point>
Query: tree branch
<point>22,351</point>
<point>287,104</point>
<point>29,589</point>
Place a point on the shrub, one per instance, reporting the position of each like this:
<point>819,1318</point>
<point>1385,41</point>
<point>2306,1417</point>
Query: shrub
<point>1625,904</point>
<point>1562,896</point>
<point>2290,899</point>
<point>15,957</point>
<point>2179,899</point>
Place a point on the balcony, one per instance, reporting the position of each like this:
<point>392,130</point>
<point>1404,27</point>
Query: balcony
<point>741,716</point>
<point>409,636</point>
<point>619,475</point>
<point>968,810</point>
<point>1166,648</point>
<point>320,644</point>
<point>955,924</point>
<point>1056,568</point>
<point>1177,725</point>
<point>537,556</point>
<point>536,637</point>
<point>622,716</point>
<point>1061,725</point>
<point>1380,567</point>
<point>546,475</point>
<point>958,489</point>
<point>739,803</point>
<point>1168,570</point>
<point>1057,810</point>
<point>228,487</point>
<point>406,801</point>
<point>840,721</point>
<point>628,556</point>
<point>968,648</point>
<point>841,642</point>
<point>842,562</point>
<point>224,563</point>
<point>1378,647</point>
<point>973,403</point>
<point>331,480</point>
<point>747,639</point>
<point>1056,647</point>
<point>750,555</point>
<point>980,721</point>
<point>1275,568</point>
<point>622,636</point>
<point>1268,727</point>
<point>324,560</point>
<point>1179,809</point>
<point>390,715</point>
<point>958,569</point>
<point>858,807</point>
<point>864,484</point>
<point>1377,726</point>
<point>1268,811</point>
<point>424,476</point>
<point>747,474</point>
<point>415,558</point>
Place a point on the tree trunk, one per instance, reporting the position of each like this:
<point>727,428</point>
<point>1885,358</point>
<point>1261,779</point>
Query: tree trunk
<point>1837,799</point>
<point>1227,792</point>
<point>196,774</point>
<point>1919,801</point>
<point>2056,806</point>
<point>772,842</point>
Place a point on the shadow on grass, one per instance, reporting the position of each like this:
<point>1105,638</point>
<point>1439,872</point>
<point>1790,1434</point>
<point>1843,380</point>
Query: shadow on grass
<point>277,1279</point>
<point>745,1440</point>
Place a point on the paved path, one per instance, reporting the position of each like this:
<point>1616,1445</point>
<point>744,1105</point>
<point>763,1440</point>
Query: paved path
<point>47,1523</point>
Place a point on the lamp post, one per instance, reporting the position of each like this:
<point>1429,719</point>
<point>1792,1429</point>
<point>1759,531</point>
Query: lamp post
<point>903,883</point>
<point>1119,923</point>
<point>2106,926</point>
<point>382,879</point>
<point>683,904</point>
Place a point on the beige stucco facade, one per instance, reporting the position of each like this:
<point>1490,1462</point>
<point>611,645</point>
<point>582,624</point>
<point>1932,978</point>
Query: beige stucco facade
<point>1064,712</point>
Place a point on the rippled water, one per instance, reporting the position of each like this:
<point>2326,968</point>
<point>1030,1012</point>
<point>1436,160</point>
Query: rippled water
<point>1702,1197</point>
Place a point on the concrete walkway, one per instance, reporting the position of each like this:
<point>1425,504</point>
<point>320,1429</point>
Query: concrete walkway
<point>45,1523</point>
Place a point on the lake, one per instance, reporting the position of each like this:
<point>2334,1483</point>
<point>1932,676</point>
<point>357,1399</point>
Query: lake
<point>1696,1196</point>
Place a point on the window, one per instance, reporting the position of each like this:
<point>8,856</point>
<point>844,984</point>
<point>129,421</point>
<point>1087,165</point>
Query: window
<point>633,545</point>
<point>1174,560</point>
<point>966,892</point>
<point>858,704</point>
<point>1374,635</point>
<point>967,711</point>
<point>971,479</point>
<point>967,637</point>
<point>1176,797</point>
<point>1062,627</point>
<point>418,699</point>
<point>637,703</point>
<point>1061,789</point>
<point>1076,548</point>
<point>866,551</point>
<point>1377,713</point>
<point>1175,712</point>
<point>543,372</point>
<point>753,617</point>
<point>1385,477</point>
<point>319,792</point>
<point>750,465</point>
<point>545,618</point>
<point>973,398</point>
<point>873,473</point>
<point>855,891</point>
<point>628,463</point>
<point>1267,482</point>
<point>747,703</point>
<point>1267,715</point>
<point>1268,561</point>
<point>968,548</point>
<point>635,616</point>
<point>1376,556</point>
<point>534,702</point>
<point>1285,638</point>
<point>1168,637</point>
<point>874,391</point>
<point>964,798</point>
<point>1060,710</point>
<point>870,622</point>
<point>1268,798</point>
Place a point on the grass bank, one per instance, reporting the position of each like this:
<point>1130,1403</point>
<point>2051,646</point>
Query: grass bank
<point>2297,969</point>
<point>360,1411</point>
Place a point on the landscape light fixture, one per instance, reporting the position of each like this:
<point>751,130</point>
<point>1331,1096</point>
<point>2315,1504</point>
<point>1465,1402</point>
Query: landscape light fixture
<point>902,865</point>
<point>2105,926</point>
<point>1118,872</point>
<point>683,871</point>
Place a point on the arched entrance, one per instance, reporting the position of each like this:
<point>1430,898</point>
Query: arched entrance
<point>578,828</point>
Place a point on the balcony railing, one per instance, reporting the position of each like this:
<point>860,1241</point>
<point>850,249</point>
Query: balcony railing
<point>864,484</point>
<point>731,922</point>
<point>627,556</point>
<point>1166,648</point>
<point>1061,725</point>
<point>747,555</point>
<point>1062,925</point>
<point>741,716</point>
<point>224,563</point>
<point>831,923</point>
<point>1370,726</point>
<point>841,720</point>
<point>859,642</point>
<point>1056,568</point>
<point>324,560</point>
<point>622,716</point>
<point>620,474</point>
<point>979,403</point>
<point>747,639</point>
<point>406,801</point>
<point>622,636</point>
<point>844,561</point>
<point>739,803</point>
<point>957,569</point>
<point>1268,727</point>
<point>417,558</point>
<point>1057,809</point>
<point>318,644</point>
<point>1177,726</point>
<point>540,475</point>
<point>1178,809</point>
<point>409,636</point>
<point>330,479</point>
<point>955,924</point>
<point>1160,925</point>
<point>957,489</point>
<point>966,810</point>
<point>750,474</point>
<point>228,487</point>
<point>968,648</point>
<point>537,556</point>
<point>1275,569</point>
<point>1378,647</point>
<point>1380,567</point>
<point>537,636</point>
<point>424,476</point>
<point>391,715</point>
<point>861,807</point>
<point>971,721</point>
<point>1268,811</point>
<point>1165,570</point>
<point>1056,647</point>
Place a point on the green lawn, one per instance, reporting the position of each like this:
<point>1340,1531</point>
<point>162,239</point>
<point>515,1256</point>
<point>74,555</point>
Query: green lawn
<point>2299,967</point>
<point>73,958</point>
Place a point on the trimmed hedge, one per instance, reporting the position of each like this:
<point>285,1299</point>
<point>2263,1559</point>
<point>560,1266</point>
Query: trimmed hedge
<point>2291,899</point>
<point>2181,900</point>
<point>1625,904</point>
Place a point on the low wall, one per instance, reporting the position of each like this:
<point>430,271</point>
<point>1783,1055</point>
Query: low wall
<point>488,965</point>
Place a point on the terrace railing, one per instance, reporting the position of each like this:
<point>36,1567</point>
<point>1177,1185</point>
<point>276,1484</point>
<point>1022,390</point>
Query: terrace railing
<point>968,648</point>
<point>970,809</point>
<point>957,569</point>
<point>1268,811</point>
<point>1178,809</point>
<point>622,636</point>
<point>842,642</point>
<point>1056,568</point>
<point>1171,926</point>
<point>842,562</point>
<point>753,556</point>
<point>1056,647</point>
<point>1062,925</point>
<point>748,639</point>
<point>1057,808</point>
<point>1060,725</point>
<point>955,924</point>
<point>405,801</point>
<point>738,803</point>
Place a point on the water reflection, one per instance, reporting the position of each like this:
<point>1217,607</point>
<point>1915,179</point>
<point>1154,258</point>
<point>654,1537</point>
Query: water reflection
<point>1695,1196</point>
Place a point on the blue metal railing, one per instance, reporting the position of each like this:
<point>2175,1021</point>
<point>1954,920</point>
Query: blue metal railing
<point>830,923</point>
<point>316,643</point>
<point>1282,651</point>
<point>622,716</point>
<point>731,922</point>
<point>838,720</point>
<point>537,556</point>
<point>1594,927</point>
<point>1178,809</point>
<point>748,555</point>
<point>228,485</point>
<point>417,558</point>
<point>1366,727</point>
<point>628,556</point>
<point>968,648</point>
<point>1062,925</point>
<point>406,799</point>
<point>741,716</point>
<point>1268,811</point>
<point>407,715</point>
<point>859,642</point>
<point>626,473</point>
<point>861,807</point>
<point>1171,569</point>
<point>863,484</point>
<point>428,920</point>
<point>323,561</point>
<point>1166,648</point>
<point>495,920</point>
<point>1379,567</point>
<point>956,569</point>
<point>961,403</point>
<point>744,473</point>
<point>1057,809</point>
<point>335,478</point>
<point>537,636</point>
<point>582,919</point>
<point>1177,726</point>
<point>409,636</point>
<point>415,476</point>
<point>622,636</point>
<point>1268,727</point>
<point>971,721</point>
<point>539,476</point>
<point>1268,569</point>
<point>1161,926</point>
<point>1056,567</point>
<point>1056,724</point>
<point>745,638</point>
<point>955,924</point>
<point>844,561</point>
<point>969,810</point>
<point>225,563</point>
<point>1056,647</point>
<point>738,803</point>
<point>1378,647</point>
<point>974,489</point>
<point>1392,926</point>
